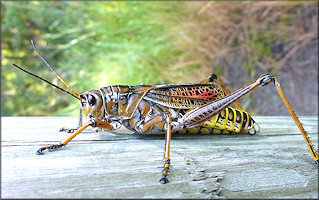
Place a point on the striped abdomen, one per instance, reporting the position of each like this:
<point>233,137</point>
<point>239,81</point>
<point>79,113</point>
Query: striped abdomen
<point>229,121</point>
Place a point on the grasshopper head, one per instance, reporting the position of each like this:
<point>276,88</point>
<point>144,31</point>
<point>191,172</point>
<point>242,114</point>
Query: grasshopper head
<point>92,104</point>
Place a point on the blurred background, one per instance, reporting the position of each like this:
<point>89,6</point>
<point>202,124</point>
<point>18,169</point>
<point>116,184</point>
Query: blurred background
<point>100,43</point>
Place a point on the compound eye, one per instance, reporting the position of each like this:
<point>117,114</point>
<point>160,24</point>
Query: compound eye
<point>91,100</point>
<point>83,100</point>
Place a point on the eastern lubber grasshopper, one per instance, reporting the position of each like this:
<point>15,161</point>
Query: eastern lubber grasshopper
<point>150,109</point>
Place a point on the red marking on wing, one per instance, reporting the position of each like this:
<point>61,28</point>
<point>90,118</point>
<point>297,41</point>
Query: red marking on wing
<point>202,95</point>
<point>206,95</point>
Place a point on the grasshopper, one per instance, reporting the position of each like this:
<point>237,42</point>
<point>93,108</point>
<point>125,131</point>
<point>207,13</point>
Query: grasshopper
<point>171,108</point>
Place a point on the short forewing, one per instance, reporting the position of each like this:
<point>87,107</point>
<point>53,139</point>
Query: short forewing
<point>185,96</point>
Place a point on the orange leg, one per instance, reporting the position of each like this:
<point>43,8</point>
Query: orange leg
<point>209,79</point>
<point>93,123</point>
<point>167,161</point>
<point>227,93</point>
<point>206,112</point>
<point>294,116</point>
<point>153,121</point>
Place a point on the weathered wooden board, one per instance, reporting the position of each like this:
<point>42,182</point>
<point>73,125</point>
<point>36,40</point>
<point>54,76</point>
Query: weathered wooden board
<point>274,164</point>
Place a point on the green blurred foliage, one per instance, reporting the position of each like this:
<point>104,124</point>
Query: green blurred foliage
<point>89,44</point>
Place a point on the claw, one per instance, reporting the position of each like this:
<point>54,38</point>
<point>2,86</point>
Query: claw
<point>49,148</point>
<point>163,180</point>
<point>40,151</point>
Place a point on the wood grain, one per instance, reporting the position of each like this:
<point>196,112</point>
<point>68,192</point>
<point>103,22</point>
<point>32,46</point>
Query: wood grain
<point>273,164</point>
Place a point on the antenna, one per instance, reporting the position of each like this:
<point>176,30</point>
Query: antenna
<point>67,85</point>
<point>46,81</point>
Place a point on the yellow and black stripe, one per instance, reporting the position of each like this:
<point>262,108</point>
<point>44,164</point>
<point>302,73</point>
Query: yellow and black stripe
<point>229,121</point>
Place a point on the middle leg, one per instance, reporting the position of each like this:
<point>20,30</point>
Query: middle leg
<point>71,130</point>
<point>155,120</point>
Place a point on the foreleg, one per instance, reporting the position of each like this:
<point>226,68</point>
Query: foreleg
<point>92,122</point>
